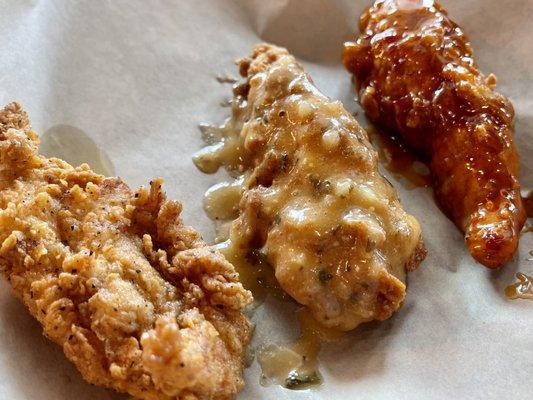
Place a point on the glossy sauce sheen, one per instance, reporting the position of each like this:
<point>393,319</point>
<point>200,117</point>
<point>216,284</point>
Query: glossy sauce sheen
<point>76,147</point>
<point>313,207</point>
<point>416,77</point>
<point>523,289</point>
<point>399,160</point>
<point>295,366</point>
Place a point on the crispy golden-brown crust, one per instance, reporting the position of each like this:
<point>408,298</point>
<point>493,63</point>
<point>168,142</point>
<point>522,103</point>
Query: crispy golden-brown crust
<point>135,298</point>
<point>417,77</point>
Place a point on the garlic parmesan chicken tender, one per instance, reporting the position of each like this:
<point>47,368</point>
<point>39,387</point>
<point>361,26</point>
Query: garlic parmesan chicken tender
<point>314,205</point>
<point>416,76</point>
<point>136,299</point>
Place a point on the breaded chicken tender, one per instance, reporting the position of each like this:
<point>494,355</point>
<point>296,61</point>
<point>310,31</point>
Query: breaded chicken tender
<point>417,77</point>
<point>138,302</point>
<point>314,205</point>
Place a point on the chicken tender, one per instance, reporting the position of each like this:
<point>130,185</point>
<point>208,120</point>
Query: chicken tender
<point>314,205</point>
<point>416,76</point>
<point>138,302</point>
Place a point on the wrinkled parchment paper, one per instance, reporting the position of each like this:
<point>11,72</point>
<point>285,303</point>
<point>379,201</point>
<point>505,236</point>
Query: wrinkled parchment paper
<point>139,76</point>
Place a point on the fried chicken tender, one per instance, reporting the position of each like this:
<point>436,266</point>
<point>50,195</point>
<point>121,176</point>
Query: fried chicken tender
<point>314,205</point>
<point>416,76</point>
<point>138,302</point>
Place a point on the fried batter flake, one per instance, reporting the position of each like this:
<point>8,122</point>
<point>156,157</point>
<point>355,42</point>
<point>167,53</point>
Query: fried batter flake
<point>138,302</point>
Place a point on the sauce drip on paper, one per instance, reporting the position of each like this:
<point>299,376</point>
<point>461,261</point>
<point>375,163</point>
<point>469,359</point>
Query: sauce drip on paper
<point>399,160</point>
<point>75,147</point>
<point>254,272</point>
<point>293,366</point>
<point>523,289</point>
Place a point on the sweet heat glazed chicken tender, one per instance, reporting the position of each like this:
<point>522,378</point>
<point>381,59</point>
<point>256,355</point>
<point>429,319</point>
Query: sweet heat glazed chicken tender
<point>135,298</point>
<point>416,76</point>
<point>314,205</point>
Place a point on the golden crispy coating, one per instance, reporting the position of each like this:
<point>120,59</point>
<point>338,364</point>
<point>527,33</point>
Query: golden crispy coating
<point>314,205</point>
<point>417,77</point>
<point>135,298</point>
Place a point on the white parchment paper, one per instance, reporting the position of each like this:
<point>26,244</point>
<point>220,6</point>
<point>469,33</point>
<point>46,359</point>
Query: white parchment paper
<point>139,76</point>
